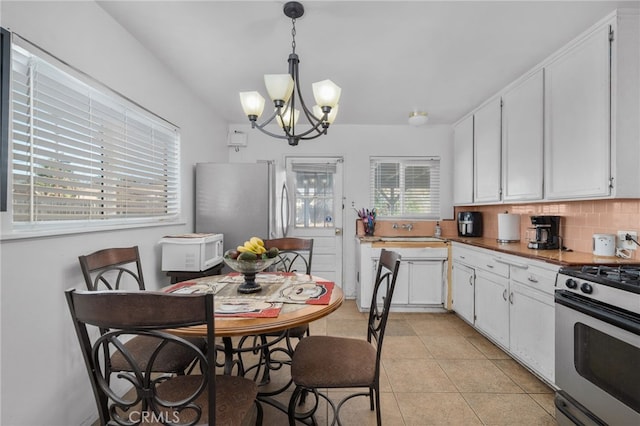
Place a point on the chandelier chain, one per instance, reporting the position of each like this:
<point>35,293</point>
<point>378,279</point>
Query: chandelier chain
<point>293,34</point>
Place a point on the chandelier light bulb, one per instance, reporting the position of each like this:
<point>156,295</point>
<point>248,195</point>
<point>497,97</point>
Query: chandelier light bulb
<point>326,93</point>
<point>285,120</point>
<point>279,86</point>
<point>252,103</point>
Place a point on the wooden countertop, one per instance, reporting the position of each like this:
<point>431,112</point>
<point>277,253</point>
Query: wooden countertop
<point>564,258</point>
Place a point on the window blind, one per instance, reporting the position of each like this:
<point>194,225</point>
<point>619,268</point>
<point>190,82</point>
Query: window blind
<point>84,153</point>
<point>407,187</point>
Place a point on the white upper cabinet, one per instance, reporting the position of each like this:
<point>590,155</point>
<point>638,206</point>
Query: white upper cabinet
<point>569,126</point>
<point>463,162</point>
<point>487,153</point>
<point>522,139</point>
<point>577,147</point>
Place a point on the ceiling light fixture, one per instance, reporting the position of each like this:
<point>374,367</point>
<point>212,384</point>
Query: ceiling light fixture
<point>283,89</point>
<point>418,118</point>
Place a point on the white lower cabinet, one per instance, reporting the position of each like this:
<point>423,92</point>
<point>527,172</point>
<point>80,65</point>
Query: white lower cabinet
<point>511,303</point>
<point>463,289</point>
<point>492,306</point>
<point>531,322</point>
<point>421,281</point>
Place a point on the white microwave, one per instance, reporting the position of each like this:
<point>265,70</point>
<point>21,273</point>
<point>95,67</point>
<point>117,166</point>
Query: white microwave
<point>192,252</point>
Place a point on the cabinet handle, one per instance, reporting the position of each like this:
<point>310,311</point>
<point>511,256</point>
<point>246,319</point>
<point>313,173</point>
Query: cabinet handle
<point>511,298</point>
<point>470,280</point>
<point>504,294</point>
<point>489,266</point>
<point>532,279</point>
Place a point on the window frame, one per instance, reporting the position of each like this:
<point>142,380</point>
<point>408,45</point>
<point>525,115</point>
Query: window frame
<point>404,162</point>
<point>170,163</point>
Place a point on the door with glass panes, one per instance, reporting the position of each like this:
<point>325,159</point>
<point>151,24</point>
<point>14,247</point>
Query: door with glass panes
<point>316,210</point>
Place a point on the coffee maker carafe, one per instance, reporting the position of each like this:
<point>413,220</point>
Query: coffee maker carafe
<point>545,233</point>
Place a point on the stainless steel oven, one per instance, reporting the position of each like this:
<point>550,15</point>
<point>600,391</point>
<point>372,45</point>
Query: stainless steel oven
<point>598,345</point>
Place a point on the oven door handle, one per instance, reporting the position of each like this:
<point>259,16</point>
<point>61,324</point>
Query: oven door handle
<point>607,313</point>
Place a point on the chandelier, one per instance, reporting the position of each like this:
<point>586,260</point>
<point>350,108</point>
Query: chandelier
<point>284,91</point>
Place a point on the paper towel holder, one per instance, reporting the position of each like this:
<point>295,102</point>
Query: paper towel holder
<point>512,234</point>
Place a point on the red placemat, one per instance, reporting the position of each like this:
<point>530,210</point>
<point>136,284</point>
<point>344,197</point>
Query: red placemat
<point>324,297</point>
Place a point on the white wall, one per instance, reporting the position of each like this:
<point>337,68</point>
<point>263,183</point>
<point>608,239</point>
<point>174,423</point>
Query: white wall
<point>356,144</point>
<point>43,377</point>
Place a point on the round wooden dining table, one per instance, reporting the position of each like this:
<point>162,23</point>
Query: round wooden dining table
<point>291,314</point>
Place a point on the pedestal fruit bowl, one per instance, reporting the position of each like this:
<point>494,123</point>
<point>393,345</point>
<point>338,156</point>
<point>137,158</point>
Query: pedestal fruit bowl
<point>249,259</point>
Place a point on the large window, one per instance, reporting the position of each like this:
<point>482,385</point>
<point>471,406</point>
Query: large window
<point>405,187</point>
<point>82,154</point>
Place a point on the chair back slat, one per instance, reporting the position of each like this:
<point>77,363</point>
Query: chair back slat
<point>142,314</point>
<point>385,283</point>
<point>295,255</point>
<point>110,268</point>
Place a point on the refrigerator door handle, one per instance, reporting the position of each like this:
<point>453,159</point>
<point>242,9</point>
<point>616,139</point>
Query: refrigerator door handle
<point>284,210</point>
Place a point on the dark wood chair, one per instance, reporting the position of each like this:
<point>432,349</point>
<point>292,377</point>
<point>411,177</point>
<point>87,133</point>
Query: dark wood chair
<point>204,398</point>
<point>295,255</point>
<point>119,269</point>
<point>327,362</point>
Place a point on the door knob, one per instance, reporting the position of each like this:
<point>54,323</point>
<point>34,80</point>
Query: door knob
<point>338,231</point>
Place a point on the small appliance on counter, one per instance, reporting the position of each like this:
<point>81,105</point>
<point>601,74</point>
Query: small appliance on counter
<point>545,233</point>
<point>191,252</point>
<point>469,224</point>
<point>604,245</point>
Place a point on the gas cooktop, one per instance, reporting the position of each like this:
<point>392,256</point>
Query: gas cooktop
<point>625,277</point>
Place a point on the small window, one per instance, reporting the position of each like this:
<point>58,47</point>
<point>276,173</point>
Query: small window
<point>405,187</point>
<point>83,155</point>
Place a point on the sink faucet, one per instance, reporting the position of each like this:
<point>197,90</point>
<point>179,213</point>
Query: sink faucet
<point>407,226</point>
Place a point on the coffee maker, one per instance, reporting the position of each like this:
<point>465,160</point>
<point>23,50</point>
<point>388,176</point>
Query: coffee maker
<point>545,233</point>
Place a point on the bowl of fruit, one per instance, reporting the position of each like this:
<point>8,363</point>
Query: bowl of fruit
<point>249,259</point>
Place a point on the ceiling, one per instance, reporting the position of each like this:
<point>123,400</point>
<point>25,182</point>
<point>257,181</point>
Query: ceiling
<point>389,57</point>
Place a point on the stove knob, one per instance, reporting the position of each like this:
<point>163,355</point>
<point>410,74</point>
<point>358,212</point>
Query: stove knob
<point>571,283</point>
<point>586,288</point>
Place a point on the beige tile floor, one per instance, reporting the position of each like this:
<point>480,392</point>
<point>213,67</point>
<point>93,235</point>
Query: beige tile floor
<point>436,370</point>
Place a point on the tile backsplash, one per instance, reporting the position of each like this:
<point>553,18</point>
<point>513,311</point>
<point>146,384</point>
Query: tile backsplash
<point>580,219</point>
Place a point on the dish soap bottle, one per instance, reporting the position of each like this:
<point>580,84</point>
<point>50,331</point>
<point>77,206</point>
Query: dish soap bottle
<point>438,231</point>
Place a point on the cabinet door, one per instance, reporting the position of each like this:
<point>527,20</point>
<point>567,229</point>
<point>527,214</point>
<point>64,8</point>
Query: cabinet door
<point>522,139</point>
<point>577,116</point>
<point>487,152</point>
<point>462,291</point>
<point>426,282</point>
<point>463,162</point>
<point>492,306</point>
<point>532,329</point>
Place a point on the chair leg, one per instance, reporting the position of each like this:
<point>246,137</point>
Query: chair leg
<point>371,396</point>
<point>378,412</point>
<point>259,413</point>
<point>302,415</point>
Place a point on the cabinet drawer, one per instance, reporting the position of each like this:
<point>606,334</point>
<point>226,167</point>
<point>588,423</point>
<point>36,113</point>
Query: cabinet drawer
<point>492,264</point>
<point>534,276</point>
<point>463,255</point>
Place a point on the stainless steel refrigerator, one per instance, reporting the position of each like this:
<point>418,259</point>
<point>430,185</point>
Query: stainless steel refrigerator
<point>240,200</point>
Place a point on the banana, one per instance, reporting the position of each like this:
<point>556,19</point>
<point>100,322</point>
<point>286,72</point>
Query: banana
<point>257,241</point>
<point>241,249</point>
